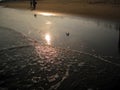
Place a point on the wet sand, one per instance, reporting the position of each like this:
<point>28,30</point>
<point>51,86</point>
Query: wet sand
<point>44,67</point>
<point>27,65</point>
<point>106,11</point>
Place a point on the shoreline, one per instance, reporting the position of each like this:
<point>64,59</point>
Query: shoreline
<point>102,11</point>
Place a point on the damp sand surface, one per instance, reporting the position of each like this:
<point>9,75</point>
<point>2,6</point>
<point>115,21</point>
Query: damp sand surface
<point>30,65</point>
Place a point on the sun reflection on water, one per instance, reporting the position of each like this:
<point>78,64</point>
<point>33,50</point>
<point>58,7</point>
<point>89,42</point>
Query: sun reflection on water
<point>48,23</point>
<point>48,39</point>
<point>45,13</point>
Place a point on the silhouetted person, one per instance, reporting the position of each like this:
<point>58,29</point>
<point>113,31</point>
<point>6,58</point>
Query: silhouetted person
<point>34,4</point>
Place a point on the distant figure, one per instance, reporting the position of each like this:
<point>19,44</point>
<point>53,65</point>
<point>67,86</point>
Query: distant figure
<point>34,4</point>
<point>67,33</point>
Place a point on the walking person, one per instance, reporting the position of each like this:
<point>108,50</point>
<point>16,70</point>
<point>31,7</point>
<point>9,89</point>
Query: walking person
<point>34,4</point>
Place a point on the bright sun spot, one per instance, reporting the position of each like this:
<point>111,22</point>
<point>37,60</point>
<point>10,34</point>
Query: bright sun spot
<point>46,13</point>
<point>48,39</point>
<point>48,22</point>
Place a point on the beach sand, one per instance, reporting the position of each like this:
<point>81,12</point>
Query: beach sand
<point>40,67</point>
<point>106,11</point>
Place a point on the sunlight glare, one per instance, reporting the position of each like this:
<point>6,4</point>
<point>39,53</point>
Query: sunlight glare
<point>46,13</point>
<point>48,22</point>
<point>48,39</point>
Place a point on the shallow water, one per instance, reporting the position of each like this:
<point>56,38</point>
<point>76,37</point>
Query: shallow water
<point>89,35</point>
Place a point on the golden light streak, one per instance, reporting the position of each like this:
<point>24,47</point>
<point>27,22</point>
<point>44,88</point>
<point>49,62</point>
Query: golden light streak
<point>45,13</point>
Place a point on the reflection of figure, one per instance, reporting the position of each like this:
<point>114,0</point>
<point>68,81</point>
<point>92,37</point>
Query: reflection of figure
<point>35,15</point>
<point>67,33</point>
